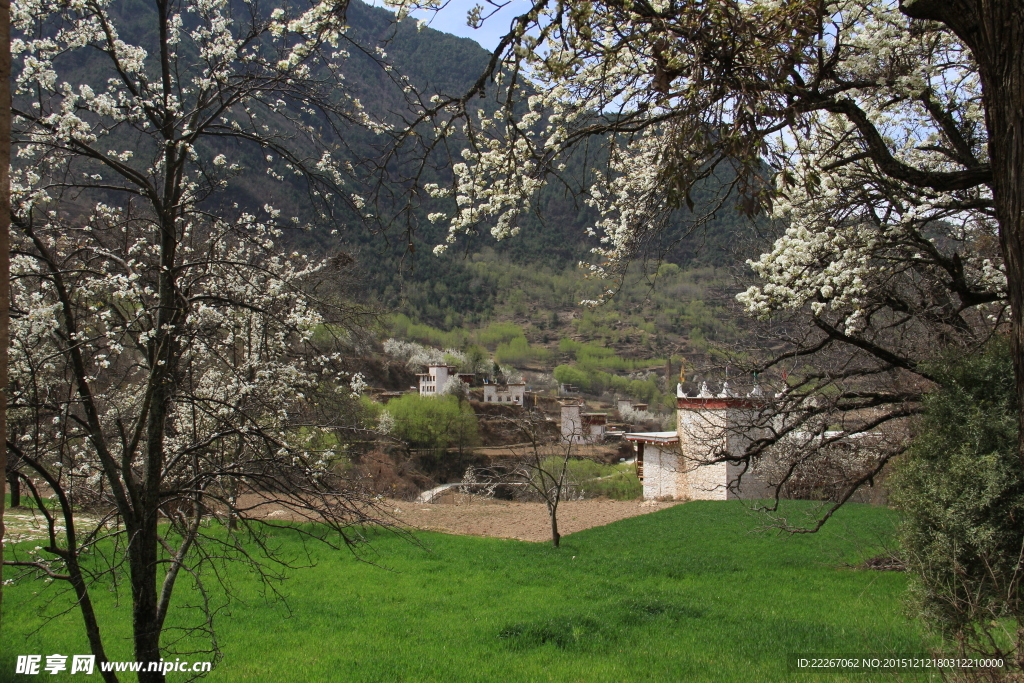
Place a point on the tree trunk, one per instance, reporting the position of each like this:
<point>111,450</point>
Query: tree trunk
<point>994,31</point>
<point>556,538</point>
<point>15,486</point>
<point>142,561</point>
<point>5,246</point>
<point>1001,63</point>
<point>92,627</point>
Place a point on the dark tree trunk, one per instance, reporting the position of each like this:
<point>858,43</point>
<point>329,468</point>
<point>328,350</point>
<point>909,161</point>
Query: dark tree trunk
<point>92,627</point>
<point>15,486</point>
<point>1000,55</point>
<point>994,31</point>
<point>142,554</point>
<point>144,549</point>
<point>5,246</point>
<point>556,538</point>
<point>1003,83</point>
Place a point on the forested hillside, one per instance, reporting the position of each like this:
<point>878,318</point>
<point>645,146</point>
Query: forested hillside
<point>455,289</point>
<point>394,258</point>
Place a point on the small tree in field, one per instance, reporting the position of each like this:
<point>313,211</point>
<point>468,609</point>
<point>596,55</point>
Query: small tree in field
<point>164,349</point>
<point>539,463</point>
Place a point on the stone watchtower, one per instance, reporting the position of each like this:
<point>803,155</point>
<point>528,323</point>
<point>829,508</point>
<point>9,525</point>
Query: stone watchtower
<point>708,427</point>
<point>579,427</point>
<point>680,464</point>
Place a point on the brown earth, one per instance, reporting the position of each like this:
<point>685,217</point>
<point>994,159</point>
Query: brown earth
<point>476,516</point>
<point>463,514</point>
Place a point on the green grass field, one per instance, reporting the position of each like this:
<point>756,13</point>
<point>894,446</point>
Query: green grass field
<point>688,593</point>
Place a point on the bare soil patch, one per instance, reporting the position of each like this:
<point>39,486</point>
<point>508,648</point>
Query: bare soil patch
<point>472,515</point>
<point>477,516</point>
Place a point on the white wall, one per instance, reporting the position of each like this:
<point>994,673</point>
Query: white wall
<point>513,394</point>
<point>438,377</point>
<point>702,433</point>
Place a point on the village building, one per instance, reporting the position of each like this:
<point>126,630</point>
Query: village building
<point>676,464</point>
<point>626,404</point>
<point>513,393</point>
<point>579,427</point>
<point>433,381</point>
<point>568,390</point>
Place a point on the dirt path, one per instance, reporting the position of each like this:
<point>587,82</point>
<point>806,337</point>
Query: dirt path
<point>474,516</point>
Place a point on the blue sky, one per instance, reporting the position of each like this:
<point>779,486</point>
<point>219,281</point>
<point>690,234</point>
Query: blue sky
<point>452,19</point>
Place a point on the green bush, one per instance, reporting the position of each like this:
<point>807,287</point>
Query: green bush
<point>594,479</point>
<point>598,381</point>
<point>498,332</point>
<point>961,489</point>
<point>434,422</point>
<point>518,351</point>
<point>567,374</point>
<point>402,327</point>
<point>569,346</point>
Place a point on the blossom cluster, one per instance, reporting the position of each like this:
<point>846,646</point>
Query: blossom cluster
<point>679,93</point>
<point>140,286</point>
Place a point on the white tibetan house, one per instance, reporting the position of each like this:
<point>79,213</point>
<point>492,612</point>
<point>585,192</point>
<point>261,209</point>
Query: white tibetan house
<point>579,427</point>
<point>675,465</point>
<point>433,381</point>
<point>513,393</point>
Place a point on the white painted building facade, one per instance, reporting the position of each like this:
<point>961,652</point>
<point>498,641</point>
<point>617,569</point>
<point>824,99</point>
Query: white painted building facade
<point>580,427</point>
<point>626,404</point>
<point>433,380</point>
<point>657,463</point>
<point>513,393</point>
<point>678,465</point>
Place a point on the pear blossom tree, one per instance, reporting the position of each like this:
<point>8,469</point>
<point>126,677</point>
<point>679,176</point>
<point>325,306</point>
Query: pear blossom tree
<point>167,355</point>
<point>880,137</point>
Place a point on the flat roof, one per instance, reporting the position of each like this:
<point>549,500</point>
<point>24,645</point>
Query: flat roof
<point>653,437</point>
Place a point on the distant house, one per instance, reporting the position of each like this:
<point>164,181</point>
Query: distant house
<point>513,393</point>
<point>657,463</point>
<point>625,404</point>
<point>433,381</point>
<point>580,427</point>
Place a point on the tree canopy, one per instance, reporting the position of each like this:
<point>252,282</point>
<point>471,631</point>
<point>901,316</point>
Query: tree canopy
<point>434,422</point>
<point>165,352</point>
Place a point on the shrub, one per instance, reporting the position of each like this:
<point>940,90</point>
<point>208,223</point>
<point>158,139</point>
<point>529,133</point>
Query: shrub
<point>961,489</point>
<point>498,332</point>
<point>518,351</point>
<point>434,422</point>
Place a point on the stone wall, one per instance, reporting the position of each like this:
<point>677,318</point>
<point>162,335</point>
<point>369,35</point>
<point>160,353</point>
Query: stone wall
<point>661,471</point>
<point>709,432</point>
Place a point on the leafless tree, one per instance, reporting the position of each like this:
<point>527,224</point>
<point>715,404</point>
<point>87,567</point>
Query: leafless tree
<point>539,465</point>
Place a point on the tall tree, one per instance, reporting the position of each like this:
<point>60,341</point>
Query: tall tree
<point>164,348</point>
<point>5,248</point>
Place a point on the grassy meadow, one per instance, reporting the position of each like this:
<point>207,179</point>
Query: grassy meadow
<point>688,593</point>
